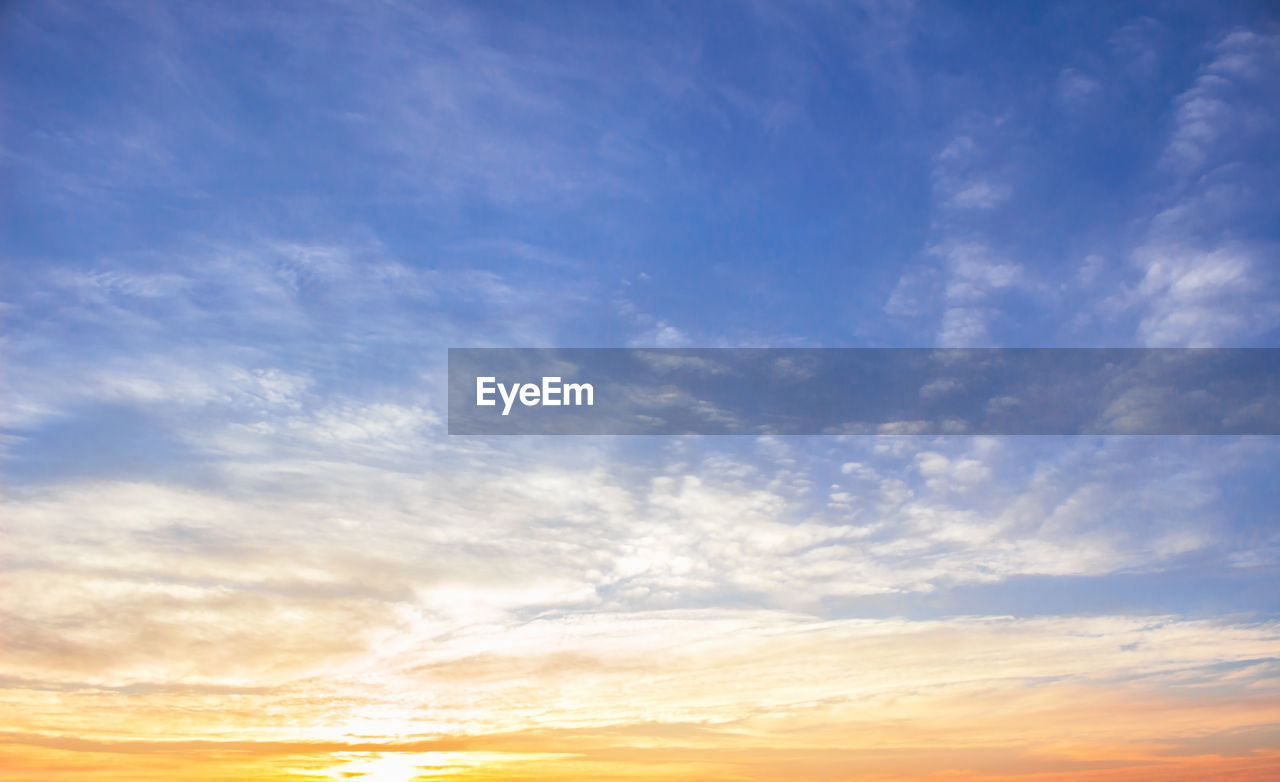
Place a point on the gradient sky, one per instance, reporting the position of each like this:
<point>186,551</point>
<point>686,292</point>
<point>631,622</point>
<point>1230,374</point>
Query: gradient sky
<point>239,237</point>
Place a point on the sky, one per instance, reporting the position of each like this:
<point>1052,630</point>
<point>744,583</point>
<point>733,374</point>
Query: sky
<point>238,238</point>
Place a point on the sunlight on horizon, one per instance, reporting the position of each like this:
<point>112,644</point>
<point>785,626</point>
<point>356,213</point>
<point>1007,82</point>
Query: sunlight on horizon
<point>421,766</point>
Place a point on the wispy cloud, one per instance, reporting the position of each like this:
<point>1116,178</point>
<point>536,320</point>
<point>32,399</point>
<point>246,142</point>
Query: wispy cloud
<point>1212,115</point>
<point>1202,283</point>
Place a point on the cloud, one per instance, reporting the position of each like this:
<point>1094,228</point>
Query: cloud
<point>1139,47</point>
<point>971,176</point>
<point>1075,88</point>
<point>591,684</point>
<point>963,174</point>
<point>661,335</point>
<point>1203,278</point>
<point>240,330</point>
<point>1210,111</point>
<point>976,275</point>
<point>966,287</point>
<point>331,509</point>
<point>1193,296</point>
<point>979,195</point>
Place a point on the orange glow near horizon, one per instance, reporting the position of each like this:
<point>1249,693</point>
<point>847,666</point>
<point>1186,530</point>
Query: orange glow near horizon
<point>772,700</point>
<point>664,763</point>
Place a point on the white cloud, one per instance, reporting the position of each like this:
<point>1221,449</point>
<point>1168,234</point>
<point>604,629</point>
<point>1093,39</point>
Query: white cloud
<point>661,335</point>
<point>964,176</point>
<point>975,276</point>
<point>979,195</point>
<point>1194,298</point>
<point>1204,282</point>
<point>1210,111</point>
<point>1075,88</point>
<point>1092,266</point>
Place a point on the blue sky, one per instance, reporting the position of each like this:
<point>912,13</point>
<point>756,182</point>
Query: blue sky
<point>238,239</point>
<point>739,173</point>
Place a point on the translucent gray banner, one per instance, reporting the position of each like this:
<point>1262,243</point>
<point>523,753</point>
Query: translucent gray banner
<point>864,391</point>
